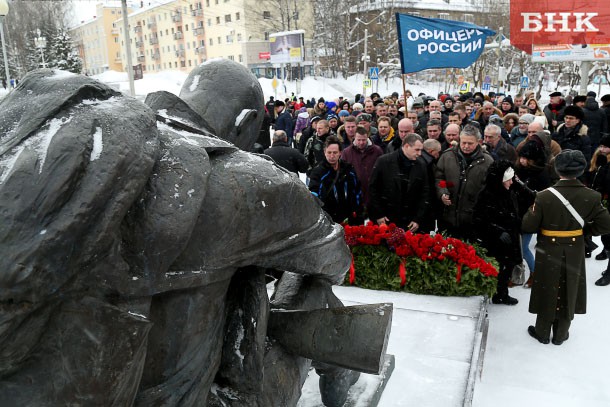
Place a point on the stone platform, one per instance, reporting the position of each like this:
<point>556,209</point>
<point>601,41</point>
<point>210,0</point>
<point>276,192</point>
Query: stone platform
<point>438,343</point>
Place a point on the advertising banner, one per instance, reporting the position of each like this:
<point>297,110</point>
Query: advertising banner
<point>286,47</point>
<point>561,53</point>
<point>556,22</point>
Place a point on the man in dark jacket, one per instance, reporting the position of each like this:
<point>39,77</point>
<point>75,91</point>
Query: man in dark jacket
<point>362,155</point>
<point>554,111</point>
<point>559,289</point>
<point>573,134</point>
<point>606,107</point>
<point>335,183</point>
<point>286,156</point>
<point>596,121</point>
<point>399,187</point>
<point>460,175</point>
<point>283,120</point>
<point>497,146</point>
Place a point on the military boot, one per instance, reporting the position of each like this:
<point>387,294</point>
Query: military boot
<point>605,280</point>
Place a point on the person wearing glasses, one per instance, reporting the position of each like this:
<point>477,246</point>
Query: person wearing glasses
<point>519,133</point>
<point>573,133</point>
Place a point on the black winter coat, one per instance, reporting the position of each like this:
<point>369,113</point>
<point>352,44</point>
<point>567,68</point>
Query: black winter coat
<point>287,157</point>
<point>596,121</point>
<point>395,195</point>
<point>576,138</point>
<point>497,211</point>
<point>339,191</point>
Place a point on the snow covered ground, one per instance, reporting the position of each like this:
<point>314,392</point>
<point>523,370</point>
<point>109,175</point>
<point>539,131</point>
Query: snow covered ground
<point>517,370</point>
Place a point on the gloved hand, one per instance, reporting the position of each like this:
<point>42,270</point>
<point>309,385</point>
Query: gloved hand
<point>505,238</point>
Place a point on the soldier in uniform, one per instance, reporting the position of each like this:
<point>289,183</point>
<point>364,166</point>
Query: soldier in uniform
<point>560,216</point>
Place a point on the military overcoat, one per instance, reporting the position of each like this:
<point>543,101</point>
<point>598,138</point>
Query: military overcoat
<point>560,279</point>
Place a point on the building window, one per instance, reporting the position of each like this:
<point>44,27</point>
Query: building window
<point>267,15</point>
<point>444,16</point>
<point>229,39</point>
<point>209,22</point>
<point>468,18</point>
<point>217,20</point>
<point>237,16</point>
<point>379,36</point>
<point>227,18</point>
<point>241,58</point>
<point>266,35</point>
<point>231,57</point>
<point>211,41</point>
<point>207,3</point>
<point>238,37</point>
<point>219,42</point>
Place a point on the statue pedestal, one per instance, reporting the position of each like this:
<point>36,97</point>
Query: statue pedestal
<point>366,392</point>
<point>438,343</point>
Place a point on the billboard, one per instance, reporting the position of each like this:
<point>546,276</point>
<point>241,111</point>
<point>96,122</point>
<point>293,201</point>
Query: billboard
<point>557,22</point>
<point>286,47</point>
<point>565,52</point>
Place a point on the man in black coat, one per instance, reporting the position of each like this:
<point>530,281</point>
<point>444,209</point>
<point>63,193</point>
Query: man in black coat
<point>283,120</point>
<point>595,119</point>
<point>286,156</point>
<point>606,107</point>
<point>399,188</point>
<point>335,183</point>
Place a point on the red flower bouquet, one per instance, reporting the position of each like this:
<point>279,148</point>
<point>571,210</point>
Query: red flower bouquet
<point>388,258</point>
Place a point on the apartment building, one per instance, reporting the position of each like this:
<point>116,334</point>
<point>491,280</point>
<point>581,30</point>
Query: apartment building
<point>164,35</point>
<point>180,34</point>
<point>97,40</point>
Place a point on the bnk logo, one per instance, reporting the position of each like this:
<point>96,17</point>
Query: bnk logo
<point>545,22</point>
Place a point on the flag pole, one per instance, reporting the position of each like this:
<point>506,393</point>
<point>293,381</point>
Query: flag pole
<point>404,92</point>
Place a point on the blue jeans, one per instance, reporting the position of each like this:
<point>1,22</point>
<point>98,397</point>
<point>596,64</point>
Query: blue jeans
<point>528,256</point>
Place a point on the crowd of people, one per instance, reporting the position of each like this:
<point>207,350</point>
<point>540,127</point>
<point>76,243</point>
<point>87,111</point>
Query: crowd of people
<point>476,167</point>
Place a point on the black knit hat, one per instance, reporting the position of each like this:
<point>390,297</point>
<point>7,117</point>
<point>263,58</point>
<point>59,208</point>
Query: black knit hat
<point>591,94</point>
<point>321,100</point>
<point>605,141</point>
<point>606,98</point>
<point>570,163</point>
<point>574,111</point>
<point>579,98</point>
<point>555,94</point>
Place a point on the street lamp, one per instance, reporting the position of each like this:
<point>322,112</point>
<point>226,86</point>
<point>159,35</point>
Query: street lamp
<point>4,13</point>
<point>365,57</point>
<point>40,42</point>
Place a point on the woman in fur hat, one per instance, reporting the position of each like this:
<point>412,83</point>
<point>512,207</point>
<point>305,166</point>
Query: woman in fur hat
<point>498,224</point>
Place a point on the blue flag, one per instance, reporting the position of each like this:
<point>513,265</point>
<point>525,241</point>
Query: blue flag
<point>434,43</point>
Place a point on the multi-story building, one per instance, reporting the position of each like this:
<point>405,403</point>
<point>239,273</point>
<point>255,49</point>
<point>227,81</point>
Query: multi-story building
<point>97,40</point>
<point>180,34</point>
<point>239,30</point>
<point>167,34</point>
